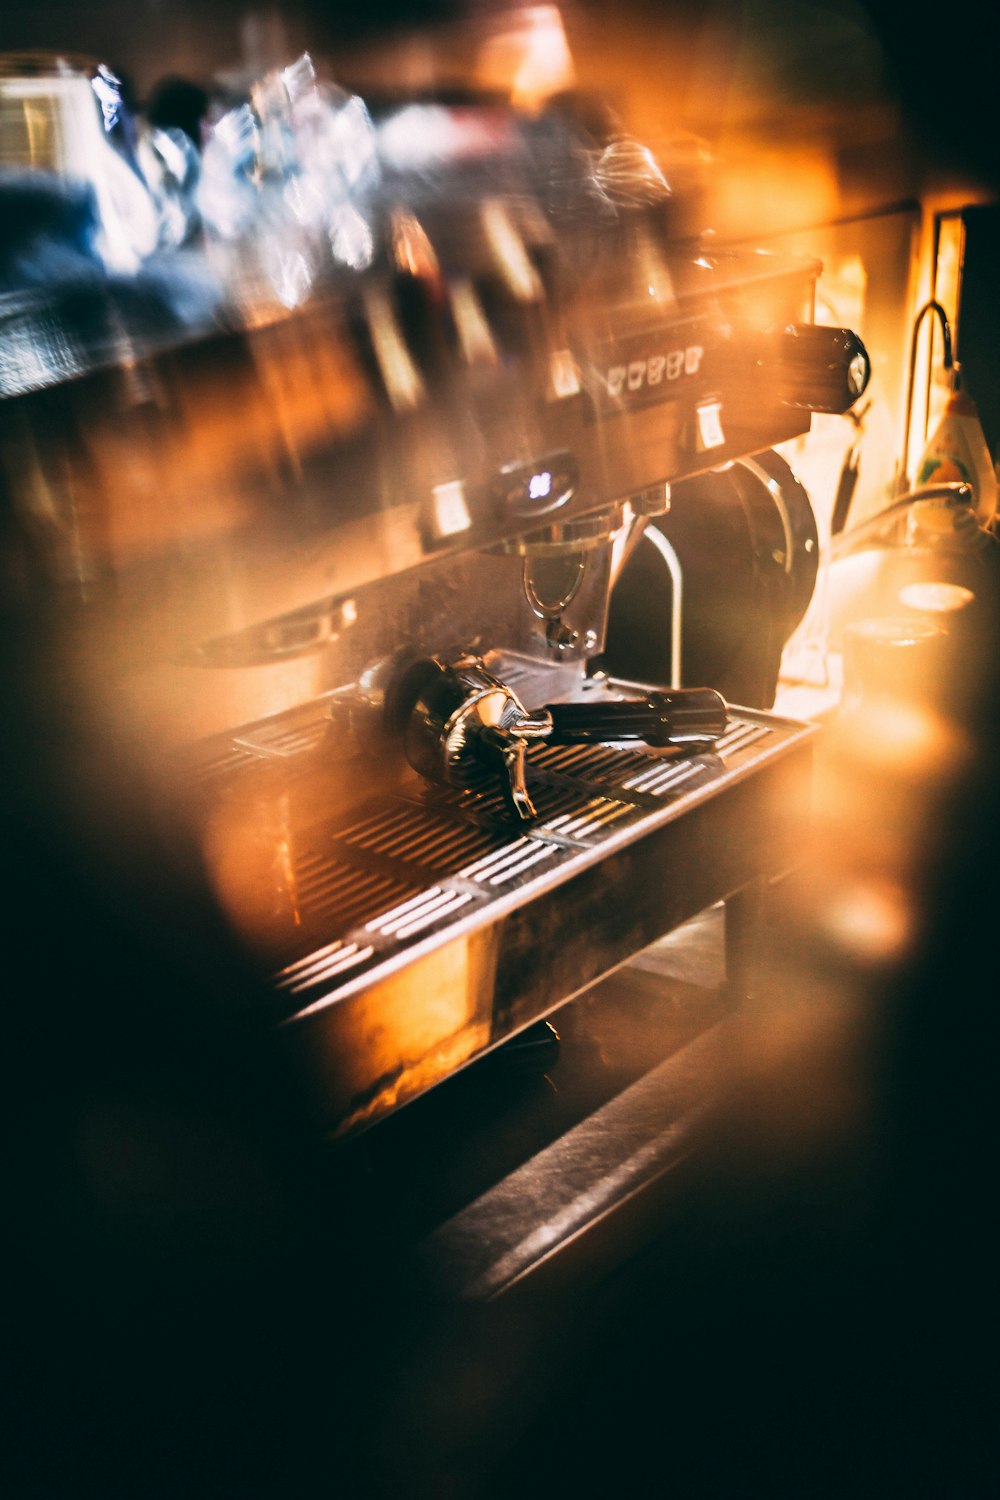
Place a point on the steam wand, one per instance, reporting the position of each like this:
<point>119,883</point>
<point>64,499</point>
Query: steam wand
<point>948,362</point>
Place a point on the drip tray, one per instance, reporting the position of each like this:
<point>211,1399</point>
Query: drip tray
<point>424,927</point>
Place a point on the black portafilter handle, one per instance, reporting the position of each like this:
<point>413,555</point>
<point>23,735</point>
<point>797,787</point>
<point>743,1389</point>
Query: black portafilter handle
<point>677,716</point>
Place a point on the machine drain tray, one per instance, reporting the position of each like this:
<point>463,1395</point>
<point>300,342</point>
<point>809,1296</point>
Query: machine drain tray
<point>425,927</point>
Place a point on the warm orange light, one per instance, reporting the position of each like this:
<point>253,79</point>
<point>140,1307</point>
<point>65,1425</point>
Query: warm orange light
<point>870,921</point>
<point>529,56</point>
<point>936,598</point>
<point>797,185</point>
<point>897,735</point>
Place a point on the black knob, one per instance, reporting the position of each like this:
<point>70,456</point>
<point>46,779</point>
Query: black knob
<point>821,369</point>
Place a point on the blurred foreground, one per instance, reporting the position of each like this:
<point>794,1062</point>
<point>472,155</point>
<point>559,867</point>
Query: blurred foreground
<point>204,1300</point>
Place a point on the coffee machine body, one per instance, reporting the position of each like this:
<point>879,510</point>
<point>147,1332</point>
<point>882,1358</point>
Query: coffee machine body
<point>338,495</point>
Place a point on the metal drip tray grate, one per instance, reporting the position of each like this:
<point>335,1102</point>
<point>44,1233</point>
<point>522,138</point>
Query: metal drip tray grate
<point>412,832</point>
<point>343,893</point>
<point>412,930</point>
<point>361,889</point>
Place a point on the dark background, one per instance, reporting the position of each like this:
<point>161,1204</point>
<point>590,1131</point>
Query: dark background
<point>941,61</point>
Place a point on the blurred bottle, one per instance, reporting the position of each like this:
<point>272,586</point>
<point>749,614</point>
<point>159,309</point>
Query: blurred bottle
<point>286,185</point>
<point>957,451</point>
<point>947,574</point>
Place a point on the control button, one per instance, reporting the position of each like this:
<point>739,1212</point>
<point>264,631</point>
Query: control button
<point>535,489</point>
<point>400,376</point>
<point>563,375</point>
<point>475,339</point>
<point>448,514</point>
<point>708,426</point>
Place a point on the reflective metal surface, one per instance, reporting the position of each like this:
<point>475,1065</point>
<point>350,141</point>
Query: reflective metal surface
<point>463,726</point>
<point>570,1189</point>
<point>424,926</point>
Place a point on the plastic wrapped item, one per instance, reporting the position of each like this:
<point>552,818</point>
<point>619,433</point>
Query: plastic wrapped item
<point>171,168</point>
<point>285,185</point>
<point>94,205</point>
<point>957,453</point>
<point>68,120</point>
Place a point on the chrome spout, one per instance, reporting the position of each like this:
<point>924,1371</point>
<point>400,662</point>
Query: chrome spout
<point>878,529</point>
<point>947,361</point>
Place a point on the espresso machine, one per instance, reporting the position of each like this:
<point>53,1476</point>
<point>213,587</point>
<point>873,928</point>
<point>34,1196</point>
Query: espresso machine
<point>341,463</point>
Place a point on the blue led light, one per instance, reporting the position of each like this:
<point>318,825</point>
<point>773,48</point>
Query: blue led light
<point>540,486</point>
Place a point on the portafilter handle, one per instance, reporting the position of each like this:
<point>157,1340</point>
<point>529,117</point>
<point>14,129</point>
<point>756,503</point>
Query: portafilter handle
<point>682,716</point>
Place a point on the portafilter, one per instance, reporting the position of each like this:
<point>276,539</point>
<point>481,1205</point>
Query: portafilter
<point>461,726</point>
